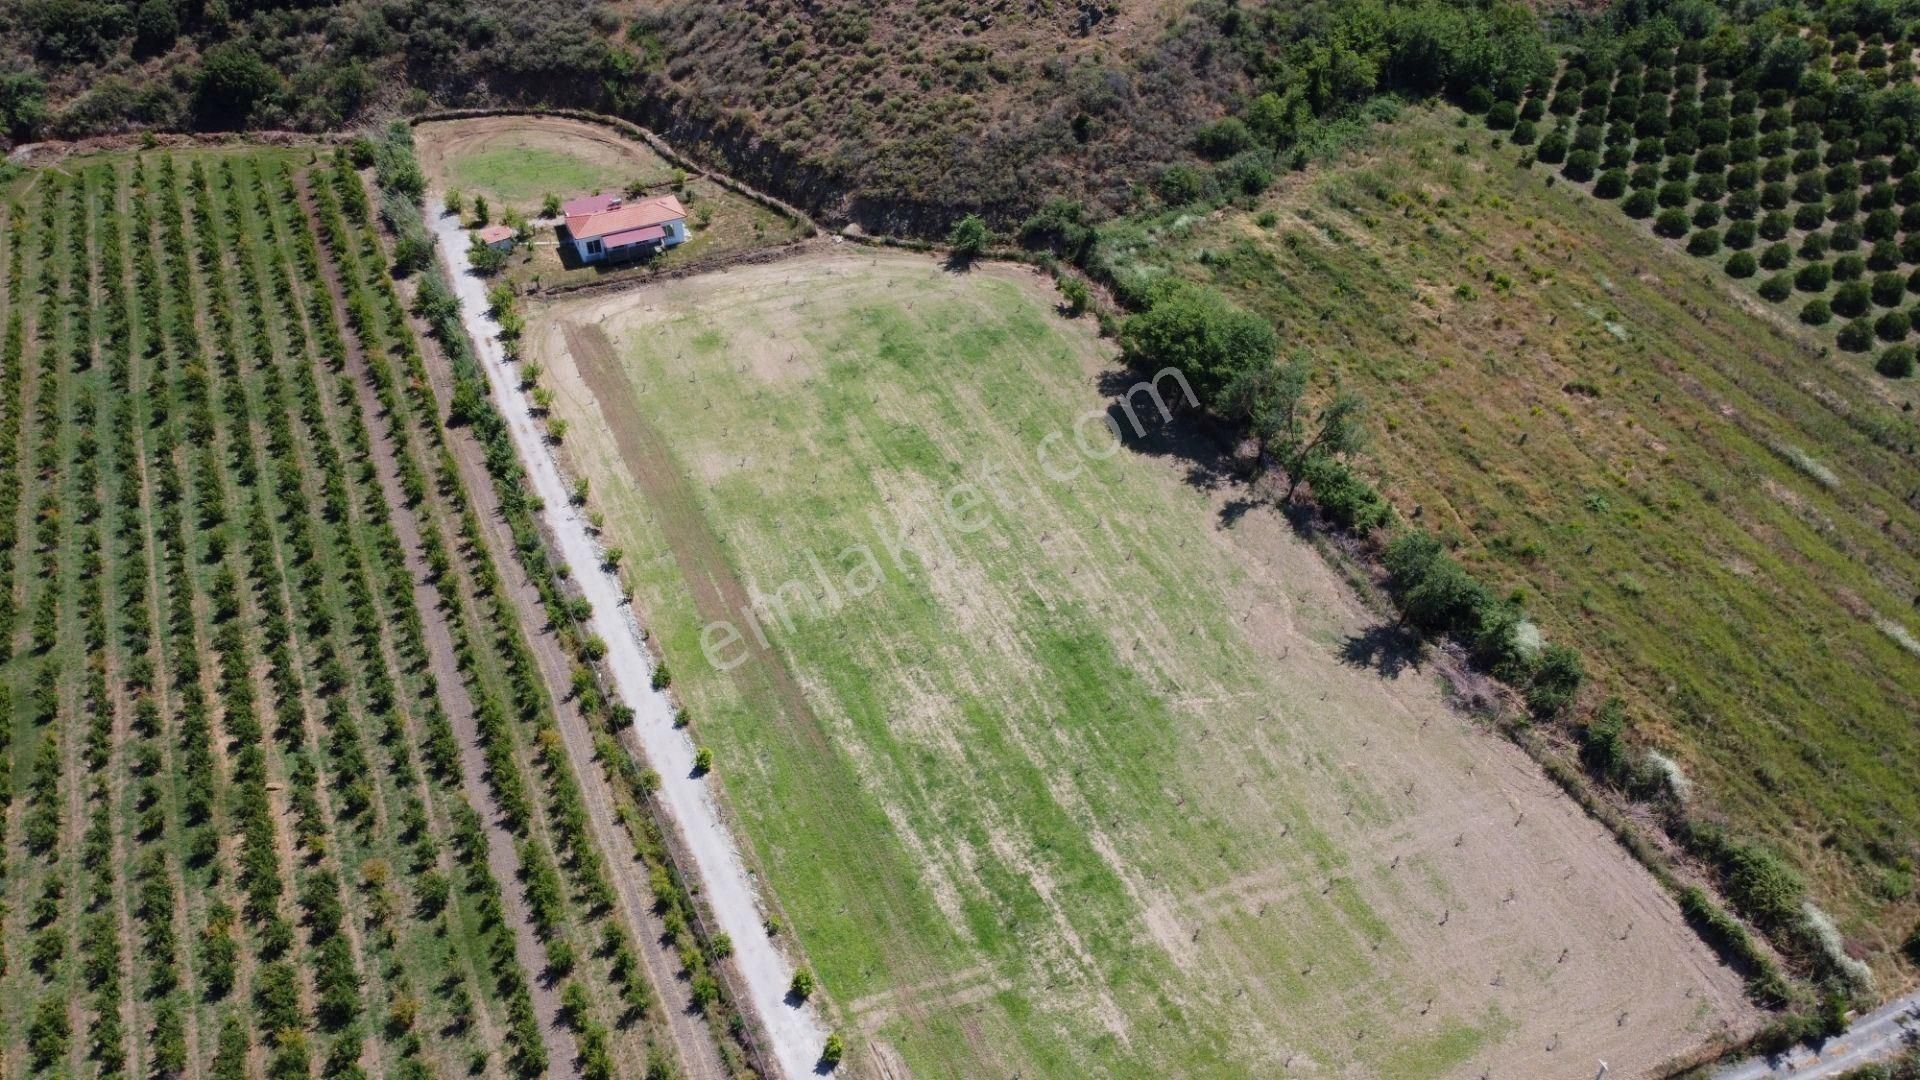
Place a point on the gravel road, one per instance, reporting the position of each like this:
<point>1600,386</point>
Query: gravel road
<point>1876,1036</point>
<point>795,1033</point>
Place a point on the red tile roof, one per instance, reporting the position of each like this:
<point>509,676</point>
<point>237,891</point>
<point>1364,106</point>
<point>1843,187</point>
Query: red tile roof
<point>493,234</point>
<point>619,219</point>
<point>589,204</point>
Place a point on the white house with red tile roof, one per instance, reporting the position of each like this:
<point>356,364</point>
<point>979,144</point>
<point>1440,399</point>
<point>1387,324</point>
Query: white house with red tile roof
<point>602,227</point>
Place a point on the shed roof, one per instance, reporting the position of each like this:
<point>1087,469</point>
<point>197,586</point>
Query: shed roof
<point>493,234</point>
<point>634,236</point>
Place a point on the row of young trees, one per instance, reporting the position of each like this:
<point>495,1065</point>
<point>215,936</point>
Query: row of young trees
<point>471,407</point>
<point>527,719</point>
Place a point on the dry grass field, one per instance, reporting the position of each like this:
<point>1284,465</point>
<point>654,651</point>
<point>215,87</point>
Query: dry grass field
<point>1684,485</point>
<point>1099,774</point>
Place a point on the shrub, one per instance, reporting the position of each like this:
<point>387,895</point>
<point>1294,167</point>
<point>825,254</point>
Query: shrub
<point>1856,336</point>
<point>1706,216</point>
<point>1703,243</point>
<point>1743,205</point>
<point>1913,282</point>
<point>1775,226</point>
<point>1888,289</point>
<point>1810,216</point>
<point>1892,326</point>
<point>1671,223</point>
<point>1553,149</point>
<point>1816,312</point>
<point>1611,184</point>
<point>1679,167</point>
<point>1849,268</point>
<point>1501,116</point>
<point>1223,138</point>
<point>1644,178</point>
<point>1557,676</point>
<point>836,1048</point>
<point>1076,294</point>
<point>1247,173</point>
<point>1777,288</point>
<point>1640,204</point>
<point>1435,593</point>
<point>802,985</point>
<point>969,237</point>
<point>1851,299</point>
<point>1813,245</point>
<point>1813,277</point>
<point>1741,265</point>
<point>1580,166</point>
<point>1774,196</point>
<point>1740,235</point>
<point>1884,257</point>
<point>1709,188</point>
<point>1846,236</point>
<point>1761,886</point>
<point>1896,362</point>
<point>1525,133</point>
<point>1777,257</point>
<point>1344,497</point>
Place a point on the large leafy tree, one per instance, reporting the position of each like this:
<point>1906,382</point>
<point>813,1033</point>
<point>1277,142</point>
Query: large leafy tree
<point>233,80</point>
<point>1207,339</point>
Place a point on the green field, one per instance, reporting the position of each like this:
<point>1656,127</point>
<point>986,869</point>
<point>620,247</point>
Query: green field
<point>239,836</point>
<point>1081,784</point>
<point>1719,516</point>
<point>523,175</point>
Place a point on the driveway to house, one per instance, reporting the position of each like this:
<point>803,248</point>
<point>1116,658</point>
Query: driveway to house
<point>1876,1036</point>
<point>794,1034</point>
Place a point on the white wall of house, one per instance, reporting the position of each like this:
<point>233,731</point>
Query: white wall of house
<point>589,250</point>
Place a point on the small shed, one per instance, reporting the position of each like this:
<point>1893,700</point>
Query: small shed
<point>497,237</point>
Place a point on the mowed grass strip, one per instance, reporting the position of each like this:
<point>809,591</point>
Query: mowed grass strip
<point>1719,518</point>
<point>1046,805</point>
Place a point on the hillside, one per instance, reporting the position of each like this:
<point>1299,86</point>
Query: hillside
<point>1719,515</point>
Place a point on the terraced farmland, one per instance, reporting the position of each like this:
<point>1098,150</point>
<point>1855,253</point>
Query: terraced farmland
<point>284,785</point>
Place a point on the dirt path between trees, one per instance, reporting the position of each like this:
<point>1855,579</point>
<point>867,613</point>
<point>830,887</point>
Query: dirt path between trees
<point>699,1057</point>
<point>503,859</point>
<point>795,1033</point>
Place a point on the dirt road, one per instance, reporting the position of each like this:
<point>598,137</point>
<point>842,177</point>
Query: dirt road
<point>1877,1036</point>
<point>795,1034</point>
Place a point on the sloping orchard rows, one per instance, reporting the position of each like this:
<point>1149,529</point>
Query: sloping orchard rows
<point>518,712</point>
<point>407,717</point>
<point>153,476</point>
<point>1810,179</point>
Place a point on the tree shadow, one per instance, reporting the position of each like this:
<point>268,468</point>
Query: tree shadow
<point>1182,431</point>
<point>1387,648</point>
